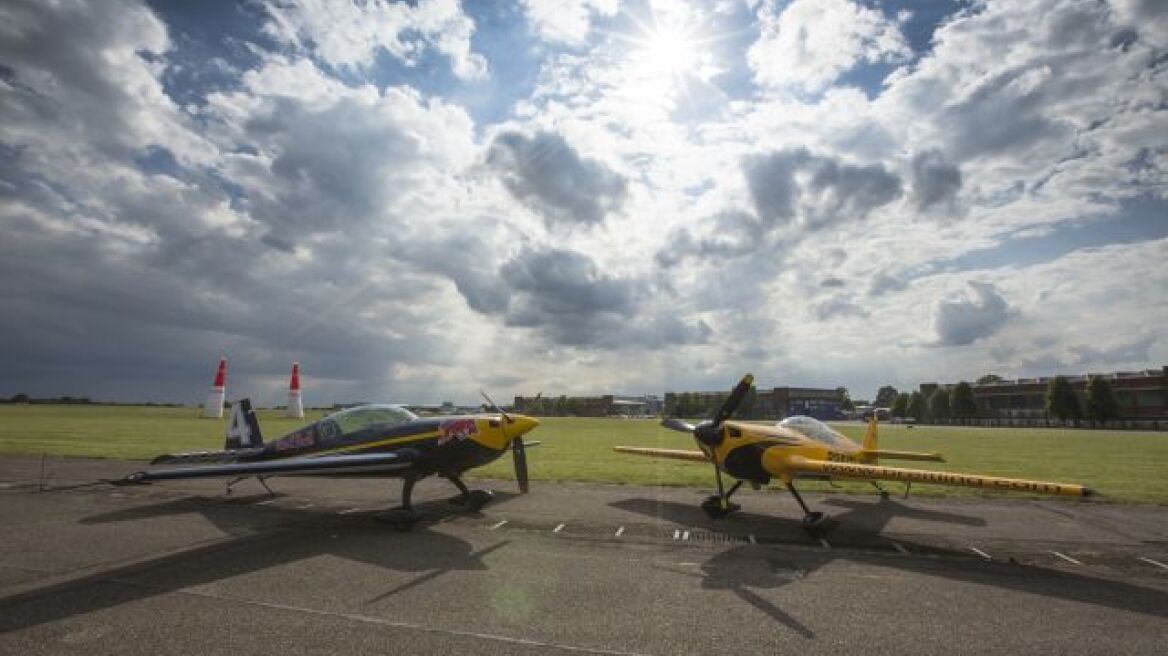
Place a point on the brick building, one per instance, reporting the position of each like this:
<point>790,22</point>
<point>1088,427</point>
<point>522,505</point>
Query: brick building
<point>1142,395</point>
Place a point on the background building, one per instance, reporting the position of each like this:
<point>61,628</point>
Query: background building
<point>775,403</point>
<point>606,405</point>
<point>1142,395</point>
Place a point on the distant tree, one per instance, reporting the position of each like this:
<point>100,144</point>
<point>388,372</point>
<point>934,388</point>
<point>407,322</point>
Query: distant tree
<point>900,406</point>
<point>916,406</point>
<point>845,399</point>
<point>961,404</point>
<point>886,396</point>
<point>1062,401</point>
<point>1101,402</point>
<point>939,404</point>
<point>989,378</point>
<point>19,398</point>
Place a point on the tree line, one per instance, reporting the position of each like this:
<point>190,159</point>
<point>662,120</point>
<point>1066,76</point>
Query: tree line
<point>1062,402</point>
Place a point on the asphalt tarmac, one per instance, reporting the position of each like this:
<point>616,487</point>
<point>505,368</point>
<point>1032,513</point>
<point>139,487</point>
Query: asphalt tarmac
<point>182,568</point>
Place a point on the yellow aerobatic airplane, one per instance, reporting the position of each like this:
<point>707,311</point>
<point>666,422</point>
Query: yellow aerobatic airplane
<point>803,447</point>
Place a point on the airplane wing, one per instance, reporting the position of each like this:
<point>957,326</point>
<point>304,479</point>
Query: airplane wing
<point>902,455</point>
<point>673,454</point>
<point>874,472</point>
<point>371,462</point>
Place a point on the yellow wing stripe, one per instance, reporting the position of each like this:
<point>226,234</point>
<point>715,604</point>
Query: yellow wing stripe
<point>365,446</point>
<point>870,472</point>
<point>672,454</point>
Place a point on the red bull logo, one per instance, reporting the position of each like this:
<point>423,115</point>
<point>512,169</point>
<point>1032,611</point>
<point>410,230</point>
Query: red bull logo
<point>456,429</point>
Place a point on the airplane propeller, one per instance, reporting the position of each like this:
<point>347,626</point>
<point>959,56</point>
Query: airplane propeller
<point>518,448</point>
<point>709,433</point>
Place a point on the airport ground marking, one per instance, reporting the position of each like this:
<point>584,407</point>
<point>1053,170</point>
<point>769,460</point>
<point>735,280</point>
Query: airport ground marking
<point>558,528</point>
<point>305,506</point>
<point>1066,558</point>
<point>349,511</point>
<point>676,533</point>
<point>499,525</point>
<point>1153,562</point>
<point>751,538</point>
<point>620,531</point>
<point>980,552</point>
<point>825,543</point>
<point>265,503</point>
<point>685,536</point>
<point>899,547</point>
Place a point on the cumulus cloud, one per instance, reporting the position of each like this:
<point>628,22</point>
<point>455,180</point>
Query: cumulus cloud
<point>838,307</point>
<point>548,175</point>
<point>812,191</point>
<point>935,181</point>
<point>726,234</point>
<point>883,282</point>
<point>350,34</point>
<point>966,318</point>
<point>810,43</point>
<point>566,21</point>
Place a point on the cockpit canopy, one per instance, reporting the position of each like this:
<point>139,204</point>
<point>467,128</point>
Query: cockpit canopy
<point>814,429</point>
<point>363,416</point>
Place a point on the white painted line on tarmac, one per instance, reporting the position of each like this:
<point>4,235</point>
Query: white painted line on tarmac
<point>685,536</point>
<point>620,531</point>
<point>264,503</point>
<point>980,552</point>
<point>676,533</point>
<point>899,547</point>
<point>305,506</point>
<point>499,525</point>
<point>825,543</point>
<point>1153,562</point>
<point>1066,558</point>
<point>751,538</point>
<point>349,511</point>
<point>558,528</point>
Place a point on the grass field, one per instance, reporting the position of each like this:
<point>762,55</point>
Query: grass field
<point>1123,466</point>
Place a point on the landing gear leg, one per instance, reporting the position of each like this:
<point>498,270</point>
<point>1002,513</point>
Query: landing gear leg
<point>815,523</point>
<point>264,482</point>
<point>472,500</point>
<point>907,488</point>
<point>231,483</point>
<point>404,516</point>
<point>718,506</point>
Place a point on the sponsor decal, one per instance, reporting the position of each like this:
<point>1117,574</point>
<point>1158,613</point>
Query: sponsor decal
<point>456,430</point>
<point>941,478</point>
<point>840,457</point>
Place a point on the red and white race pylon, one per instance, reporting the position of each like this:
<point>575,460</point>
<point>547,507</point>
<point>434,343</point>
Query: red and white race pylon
<point>214,406</point>
<point>295,406</point>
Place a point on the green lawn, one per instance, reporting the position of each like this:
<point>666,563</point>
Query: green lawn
<point>1123,466</point>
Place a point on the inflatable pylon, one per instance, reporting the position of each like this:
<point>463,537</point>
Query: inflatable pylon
<point>295,405</point>
<point>214,406</point>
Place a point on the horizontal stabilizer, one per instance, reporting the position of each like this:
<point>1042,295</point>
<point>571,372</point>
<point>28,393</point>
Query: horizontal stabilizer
<point>672,454</point>
<point>203,457</point>
<point>902,455</point>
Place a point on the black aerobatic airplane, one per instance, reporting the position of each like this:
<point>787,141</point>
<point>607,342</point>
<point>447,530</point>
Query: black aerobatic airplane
<point>364,441</point>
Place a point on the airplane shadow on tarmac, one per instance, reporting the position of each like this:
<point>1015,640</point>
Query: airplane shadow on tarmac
<point>741,568</point>
<point>256,541</point>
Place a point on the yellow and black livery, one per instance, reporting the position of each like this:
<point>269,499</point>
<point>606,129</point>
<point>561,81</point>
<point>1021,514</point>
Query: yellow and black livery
<point>365,441</point>
<point>803,447</point>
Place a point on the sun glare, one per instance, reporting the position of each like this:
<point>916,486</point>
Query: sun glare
<point>669,51</point>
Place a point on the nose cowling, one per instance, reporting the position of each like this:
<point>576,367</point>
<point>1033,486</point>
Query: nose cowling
<point>516,425</point>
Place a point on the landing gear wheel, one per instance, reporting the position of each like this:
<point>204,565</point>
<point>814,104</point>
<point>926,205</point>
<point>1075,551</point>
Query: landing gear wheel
<point>713,507</point>
<point>473,500</point>
<point>817,524</point>
<point>402,519</point>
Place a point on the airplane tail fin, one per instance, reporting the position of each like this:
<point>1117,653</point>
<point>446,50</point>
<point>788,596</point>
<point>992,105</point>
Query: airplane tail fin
<point>870,436</point>
<point>243,431</point>
<point>872,453</point>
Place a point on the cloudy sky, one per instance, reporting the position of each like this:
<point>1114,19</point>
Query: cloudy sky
<point>577,196</point>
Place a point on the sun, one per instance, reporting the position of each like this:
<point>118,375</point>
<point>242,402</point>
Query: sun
<point>668,51</point>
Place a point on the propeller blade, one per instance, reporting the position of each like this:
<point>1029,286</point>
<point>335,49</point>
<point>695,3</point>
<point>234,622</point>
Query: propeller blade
<point>732,402</point>
<point>495,405</point>
<point>673,423</point>
<point>519,454</point>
